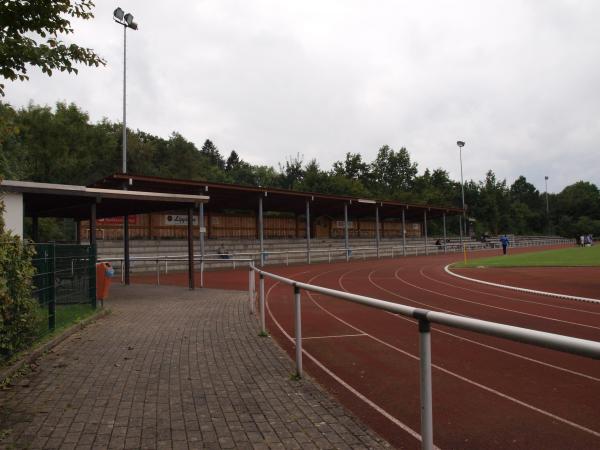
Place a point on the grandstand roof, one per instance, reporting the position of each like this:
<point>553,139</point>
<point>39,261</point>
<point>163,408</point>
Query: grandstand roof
<point>224,196</point>
<point>61,200</point>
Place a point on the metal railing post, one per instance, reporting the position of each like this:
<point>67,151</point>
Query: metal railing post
<point>425,380</point>
<point>52,299</point>
<point>261,296</point>
<point>251,289</point>
<point>298,330</point>
<point>157,272</point>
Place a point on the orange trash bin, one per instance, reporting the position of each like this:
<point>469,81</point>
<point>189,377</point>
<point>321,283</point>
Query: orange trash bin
<point>104,272</point>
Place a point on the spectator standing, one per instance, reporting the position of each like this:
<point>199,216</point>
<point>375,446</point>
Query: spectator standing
<point>504,241</point>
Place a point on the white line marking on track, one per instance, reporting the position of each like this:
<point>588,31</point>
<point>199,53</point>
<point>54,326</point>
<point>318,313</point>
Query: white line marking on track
<point>491,294</point>
<point>466,380</point>
<point>496,307</point>
<point>531,291</point>
<point>516,355</point>
<point>333,336</point>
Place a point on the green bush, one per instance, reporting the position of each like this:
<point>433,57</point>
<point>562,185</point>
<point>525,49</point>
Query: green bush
<point>17,307</point>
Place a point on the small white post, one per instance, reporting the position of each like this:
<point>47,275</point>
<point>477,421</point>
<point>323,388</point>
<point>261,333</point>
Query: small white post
<point>298,331</point>
<point>261,295</point>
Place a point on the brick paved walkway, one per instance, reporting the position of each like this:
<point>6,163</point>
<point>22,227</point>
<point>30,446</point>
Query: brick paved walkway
<point>172,368</point>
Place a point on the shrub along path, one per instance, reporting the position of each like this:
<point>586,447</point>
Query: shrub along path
<point>173,368</point>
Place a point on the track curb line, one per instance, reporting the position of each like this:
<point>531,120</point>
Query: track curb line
<point>529,291</point>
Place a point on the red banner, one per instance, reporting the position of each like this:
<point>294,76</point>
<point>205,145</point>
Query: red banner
<point>116,220</point>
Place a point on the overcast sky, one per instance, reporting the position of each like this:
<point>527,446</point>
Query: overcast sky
<point>519,81</point>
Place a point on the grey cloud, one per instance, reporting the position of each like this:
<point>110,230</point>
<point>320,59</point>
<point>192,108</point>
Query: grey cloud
<point>515,80</point>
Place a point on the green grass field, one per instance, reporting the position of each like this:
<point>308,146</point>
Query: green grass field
<point>566,257</point>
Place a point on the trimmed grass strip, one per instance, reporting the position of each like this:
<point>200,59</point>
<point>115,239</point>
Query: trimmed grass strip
<point>565,257</point>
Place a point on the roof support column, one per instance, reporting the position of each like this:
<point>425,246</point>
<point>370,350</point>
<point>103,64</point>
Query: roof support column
<point>308,231</point>
<point>346,231</point>
<point>403,234</point>
<point>126,247</point>
<point>377,229</point>
<point>261,231</point>
<point>444,226</point>
<point>78,232</point>
<point>425,231</point>
<point>202,229</point>
<point>190,238</point>
<point>93,224</point>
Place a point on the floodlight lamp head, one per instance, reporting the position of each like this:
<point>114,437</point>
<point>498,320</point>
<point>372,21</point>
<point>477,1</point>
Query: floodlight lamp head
<point>460,143</point>
<point>546,177</point>
<point>118,14</point>
<point>133,26</point>
<point>128,19</point>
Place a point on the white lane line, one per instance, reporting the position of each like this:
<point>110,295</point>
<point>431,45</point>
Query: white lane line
<point>464,300</point>
<point>466,380</point>
<point>530,291</point>
<point>319,364</point>
<point>333,336</point>
<point>491,294</point>
<point>516,355</point>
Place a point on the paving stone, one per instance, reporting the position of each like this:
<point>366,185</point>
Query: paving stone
<point>173,368</point>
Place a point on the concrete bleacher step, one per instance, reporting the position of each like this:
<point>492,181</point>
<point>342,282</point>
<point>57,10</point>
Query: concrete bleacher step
<point>288,251</point>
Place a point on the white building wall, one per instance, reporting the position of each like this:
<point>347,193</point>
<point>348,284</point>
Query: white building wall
<point>13,212</point>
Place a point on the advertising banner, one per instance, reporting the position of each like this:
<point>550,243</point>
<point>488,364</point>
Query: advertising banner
<point>179,219</point>
<point>117,220</point>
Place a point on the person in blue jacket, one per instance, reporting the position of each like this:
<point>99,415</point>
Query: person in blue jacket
<point>504,242</point>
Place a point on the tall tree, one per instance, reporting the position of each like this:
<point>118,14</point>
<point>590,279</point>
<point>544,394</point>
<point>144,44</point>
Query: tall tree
<point>292,172</point>
<point>232,161</point>
<point>32,36</point>
<point>392,171</point>
<point>352,167</point>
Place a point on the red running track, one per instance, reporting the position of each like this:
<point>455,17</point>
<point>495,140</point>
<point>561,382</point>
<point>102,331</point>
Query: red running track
<point>488,393</point>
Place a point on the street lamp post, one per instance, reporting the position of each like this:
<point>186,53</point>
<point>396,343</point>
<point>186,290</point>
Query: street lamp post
<point>547,207</point>
<point>126,20</point>
<point>461,144</point>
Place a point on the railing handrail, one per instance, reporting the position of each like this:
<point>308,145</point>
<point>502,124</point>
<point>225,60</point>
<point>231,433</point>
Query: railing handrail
<point>568,344</point>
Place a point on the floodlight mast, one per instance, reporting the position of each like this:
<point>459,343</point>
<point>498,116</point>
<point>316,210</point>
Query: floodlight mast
<point>547,207</point>
<point>126,20</point>
<point>461,144</point>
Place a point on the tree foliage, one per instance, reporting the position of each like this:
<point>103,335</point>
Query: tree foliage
<point>32,34</point>
<point>60,145</point>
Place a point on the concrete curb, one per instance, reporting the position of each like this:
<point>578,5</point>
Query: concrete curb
<point>34,354</point>
<point>529,291</point>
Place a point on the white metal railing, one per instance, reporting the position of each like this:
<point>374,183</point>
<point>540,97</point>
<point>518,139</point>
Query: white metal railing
<point>567,344</point>
<point>335,253</point>
<point>166,259</point>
